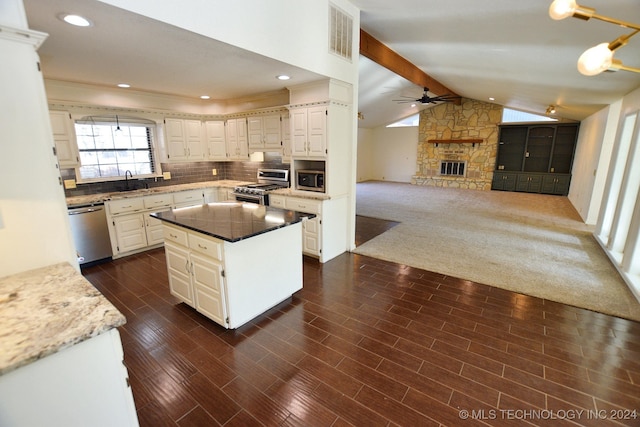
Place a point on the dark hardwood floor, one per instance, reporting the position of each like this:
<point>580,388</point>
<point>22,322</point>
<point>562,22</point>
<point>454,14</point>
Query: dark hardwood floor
<point>372,343</point>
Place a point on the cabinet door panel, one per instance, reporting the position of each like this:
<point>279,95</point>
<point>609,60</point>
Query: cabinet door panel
<point>177,267</point>
<point>511,148</point>
<point>538,152</point>
<point>563,149</point>
<point>209,288</point>
<point>317,131</point>
<point>271,131</point>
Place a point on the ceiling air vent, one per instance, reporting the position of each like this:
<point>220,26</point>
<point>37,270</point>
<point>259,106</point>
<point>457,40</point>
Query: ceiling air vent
<point>340,33</point>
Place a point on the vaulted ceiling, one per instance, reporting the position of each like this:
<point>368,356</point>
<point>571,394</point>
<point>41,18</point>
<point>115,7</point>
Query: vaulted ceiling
<point>507,50</point>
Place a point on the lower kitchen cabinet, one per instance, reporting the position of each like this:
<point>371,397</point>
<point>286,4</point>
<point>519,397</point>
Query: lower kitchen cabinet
<point>195,279</point>
<point>130,233</point>
<point>233,282</point>
<point>324,236</point>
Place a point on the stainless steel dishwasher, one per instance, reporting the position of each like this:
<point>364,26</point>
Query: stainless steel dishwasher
<point>90,233</point>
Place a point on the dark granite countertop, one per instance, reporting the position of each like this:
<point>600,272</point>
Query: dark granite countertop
<point>232,221</point>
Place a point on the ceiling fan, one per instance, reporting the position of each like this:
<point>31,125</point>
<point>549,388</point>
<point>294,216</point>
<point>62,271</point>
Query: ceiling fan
<point>426,99</point>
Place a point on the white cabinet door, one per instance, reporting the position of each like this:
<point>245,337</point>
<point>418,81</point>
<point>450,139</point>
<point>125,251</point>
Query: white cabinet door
<point>153,228</point>
<point>193,140</point>
<point>309,132</point>
<point>64,138</point>
<point>286,139</point>
<point>237,142</point>
<point>174,137</point>
<point>178,268</point>
<point>254,130</point>
<point>130,232</point>
<point>311,236</point>
<point>216,141</point>
<point>317,131</point>
<point>299,132</point>
<point>271,132</point>
<point>209,288</point>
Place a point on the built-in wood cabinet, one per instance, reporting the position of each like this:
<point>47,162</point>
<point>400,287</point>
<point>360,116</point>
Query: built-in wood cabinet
<point>213,275</point>
<point>184,140</point>
<point>309,132</point>
<point>64,138</point>
<point>237,139</point>
<point>535,158</point>
<point>264,133</point>
<point>216,145</point>
<point>195,269</point>
<point>323,237</point>
<point>132,229</point>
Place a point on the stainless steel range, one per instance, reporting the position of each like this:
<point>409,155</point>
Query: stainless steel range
<point>268,180</point>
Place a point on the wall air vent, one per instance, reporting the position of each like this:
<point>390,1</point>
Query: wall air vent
<point>340,33</point>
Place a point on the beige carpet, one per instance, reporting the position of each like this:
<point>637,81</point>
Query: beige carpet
<point>528,243</point>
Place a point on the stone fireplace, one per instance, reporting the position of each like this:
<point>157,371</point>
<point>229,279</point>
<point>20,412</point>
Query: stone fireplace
<point>457,145</point>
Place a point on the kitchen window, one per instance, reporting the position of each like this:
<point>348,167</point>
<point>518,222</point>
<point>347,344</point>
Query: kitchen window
<point>111,146</point>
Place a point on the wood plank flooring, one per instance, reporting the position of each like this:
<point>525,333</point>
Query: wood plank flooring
<point>372,343</point>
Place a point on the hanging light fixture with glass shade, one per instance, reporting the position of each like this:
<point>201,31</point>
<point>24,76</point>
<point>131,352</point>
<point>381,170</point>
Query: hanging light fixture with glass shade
<point>599,58</point>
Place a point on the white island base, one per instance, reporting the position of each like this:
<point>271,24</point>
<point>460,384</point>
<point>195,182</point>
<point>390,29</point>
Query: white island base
<point>233,282</point>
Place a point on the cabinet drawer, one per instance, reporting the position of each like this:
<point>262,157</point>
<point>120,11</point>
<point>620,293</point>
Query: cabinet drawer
<point>172,234</point>
<point>205,245</point>
<point>158,201</point>
<point>276,201</point>
<point>303,205</point>
<point>194,197</point>
<point>125,205</point>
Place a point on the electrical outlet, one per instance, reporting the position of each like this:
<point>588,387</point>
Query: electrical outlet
<point>69,184</point>
<point>214,172</point>
<point>166,175</point>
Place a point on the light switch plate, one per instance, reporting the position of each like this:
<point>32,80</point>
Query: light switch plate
<point>166,175</point>
<point>69,184</point>
<point>214,172</point>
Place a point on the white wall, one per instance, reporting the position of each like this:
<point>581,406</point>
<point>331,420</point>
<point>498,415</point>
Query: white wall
<point>286,30</point>
<point>34,224</point>
<point>389,154</point>
<point>593,151</point>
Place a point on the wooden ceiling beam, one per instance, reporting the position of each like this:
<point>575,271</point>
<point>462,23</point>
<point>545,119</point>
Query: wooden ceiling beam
<point>373,49</point>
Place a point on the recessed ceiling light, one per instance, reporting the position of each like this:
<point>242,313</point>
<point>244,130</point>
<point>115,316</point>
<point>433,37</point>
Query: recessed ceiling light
<point>124,85</point>
<point>205,97</point>
<point>76,20</point>
<point>283,77</point>
<point>491,98</point>
<point>413,105</point>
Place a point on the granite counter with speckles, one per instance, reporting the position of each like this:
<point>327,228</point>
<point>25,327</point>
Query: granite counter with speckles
<point>45,310</point>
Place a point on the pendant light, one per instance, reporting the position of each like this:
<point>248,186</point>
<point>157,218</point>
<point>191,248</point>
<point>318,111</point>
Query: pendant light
<point>118,130</point>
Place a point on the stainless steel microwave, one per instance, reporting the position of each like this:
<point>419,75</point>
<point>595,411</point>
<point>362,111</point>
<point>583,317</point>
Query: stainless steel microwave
<point>310,180</point>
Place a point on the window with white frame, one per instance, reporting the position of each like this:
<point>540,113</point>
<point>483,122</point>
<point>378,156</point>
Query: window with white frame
<point>111,146</point>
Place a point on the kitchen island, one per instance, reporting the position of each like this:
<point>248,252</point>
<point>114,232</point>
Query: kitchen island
<point>233,261</point>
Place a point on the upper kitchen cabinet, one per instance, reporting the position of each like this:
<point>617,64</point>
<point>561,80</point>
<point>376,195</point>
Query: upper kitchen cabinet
<point>184,140</point>
<point>264,133</point>
<point>216,140</point>
<point>309,132</point>
<point>64,137</point>
<point>237,142</point>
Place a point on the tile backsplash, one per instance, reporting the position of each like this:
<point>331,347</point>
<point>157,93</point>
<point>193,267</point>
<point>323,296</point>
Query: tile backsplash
<point>183,173</point>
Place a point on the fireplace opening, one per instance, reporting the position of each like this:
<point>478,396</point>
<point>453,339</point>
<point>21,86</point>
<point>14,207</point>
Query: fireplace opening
<point>453,167</point>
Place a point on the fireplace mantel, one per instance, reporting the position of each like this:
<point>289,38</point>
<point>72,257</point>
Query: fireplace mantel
<point>455,141</point>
